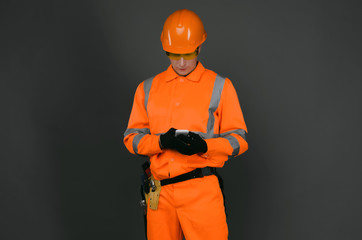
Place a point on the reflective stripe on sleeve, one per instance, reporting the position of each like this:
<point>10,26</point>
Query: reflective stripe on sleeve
<point>214,103</point>
<point>137,130</point>
<point>234,144</point>
<point>147,87</point>
<point>206,136</point>
<point>141,132</point>
<point>240,132</point>
<point>136,141</point>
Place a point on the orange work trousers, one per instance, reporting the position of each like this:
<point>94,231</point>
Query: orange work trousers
<point>193,209</point>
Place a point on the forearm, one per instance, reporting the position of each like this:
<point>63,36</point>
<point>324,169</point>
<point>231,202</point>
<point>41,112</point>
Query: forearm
<point>142,143</point>
<point>223,148</point>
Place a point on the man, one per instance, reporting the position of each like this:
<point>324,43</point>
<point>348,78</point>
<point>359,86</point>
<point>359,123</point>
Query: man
<point>205,107</point>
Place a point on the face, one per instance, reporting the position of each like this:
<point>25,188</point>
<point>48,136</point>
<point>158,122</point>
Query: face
<point>183,67</point>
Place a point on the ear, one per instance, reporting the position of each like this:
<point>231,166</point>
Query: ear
<point>200,48</point>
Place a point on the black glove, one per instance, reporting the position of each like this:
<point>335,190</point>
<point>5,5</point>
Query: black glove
<point>194,142</point>
<point>168,140</point>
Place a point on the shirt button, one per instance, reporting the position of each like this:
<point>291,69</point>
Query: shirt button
<point>182,80</point>
<point>177,104</point>
<point>172,159</point>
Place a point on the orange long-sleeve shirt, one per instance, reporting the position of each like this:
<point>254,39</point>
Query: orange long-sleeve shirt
<point>202,102</point>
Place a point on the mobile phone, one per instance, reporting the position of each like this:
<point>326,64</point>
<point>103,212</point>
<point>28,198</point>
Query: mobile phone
<point>181,132</point>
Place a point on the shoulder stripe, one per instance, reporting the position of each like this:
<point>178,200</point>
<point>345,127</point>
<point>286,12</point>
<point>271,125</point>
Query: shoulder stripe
<point>214,103</point>
<point>147,87</point>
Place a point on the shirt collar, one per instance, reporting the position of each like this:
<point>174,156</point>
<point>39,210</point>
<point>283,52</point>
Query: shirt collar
<point>195,75</point>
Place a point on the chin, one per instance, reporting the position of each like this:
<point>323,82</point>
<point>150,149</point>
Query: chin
<point>184,72</point>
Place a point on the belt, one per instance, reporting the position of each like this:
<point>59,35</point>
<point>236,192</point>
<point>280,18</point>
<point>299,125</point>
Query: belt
<point>197,173</point>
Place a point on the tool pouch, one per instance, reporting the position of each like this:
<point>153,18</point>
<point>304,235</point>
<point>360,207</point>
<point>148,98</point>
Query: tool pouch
<point>154,193</point>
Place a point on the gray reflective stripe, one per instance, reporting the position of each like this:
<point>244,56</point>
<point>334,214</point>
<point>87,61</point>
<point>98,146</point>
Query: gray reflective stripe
<point>136,141</point>
<point>240,132</point>
<point>147,87</point>
<point>214,103</point>
<point>234,144</point>
<point>141,132</point>
<point>136,130</point>
<point>205,135</point>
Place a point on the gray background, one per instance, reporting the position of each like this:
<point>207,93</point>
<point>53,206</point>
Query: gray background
<point>69,70</point>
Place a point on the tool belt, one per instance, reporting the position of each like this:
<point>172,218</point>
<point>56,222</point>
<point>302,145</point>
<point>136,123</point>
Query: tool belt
<point>197,173</point>
<point>152,187</point>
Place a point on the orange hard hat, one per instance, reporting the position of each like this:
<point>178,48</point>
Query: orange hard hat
<point>182,32</point>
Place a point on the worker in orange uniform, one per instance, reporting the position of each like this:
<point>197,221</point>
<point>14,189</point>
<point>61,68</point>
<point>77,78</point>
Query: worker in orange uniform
<point>188,121</point>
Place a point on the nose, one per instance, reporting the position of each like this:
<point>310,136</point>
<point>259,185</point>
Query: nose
<point>182,62</point>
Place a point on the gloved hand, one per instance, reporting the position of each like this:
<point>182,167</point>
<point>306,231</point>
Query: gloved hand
<point>169,140</point>
<point>194,142</point>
